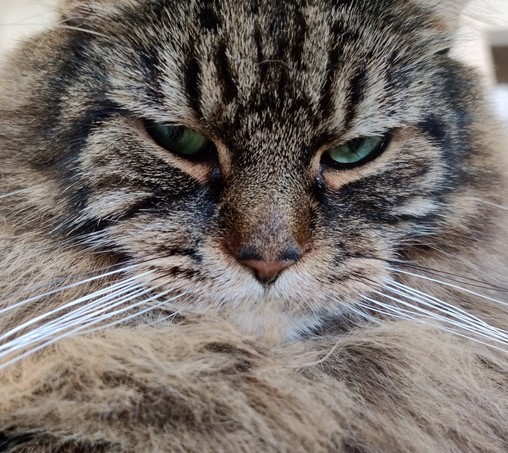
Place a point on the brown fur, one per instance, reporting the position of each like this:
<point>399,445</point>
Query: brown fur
<point>308,363</point>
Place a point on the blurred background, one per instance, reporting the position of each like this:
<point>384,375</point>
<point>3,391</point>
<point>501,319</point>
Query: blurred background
<point>481,42</point>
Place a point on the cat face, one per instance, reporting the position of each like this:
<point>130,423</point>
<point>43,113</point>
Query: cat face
<point>332,138</point>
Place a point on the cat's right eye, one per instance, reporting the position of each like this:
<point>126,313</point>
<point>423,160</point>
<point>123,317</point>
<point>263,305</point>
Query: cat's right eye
<point>180,140</point>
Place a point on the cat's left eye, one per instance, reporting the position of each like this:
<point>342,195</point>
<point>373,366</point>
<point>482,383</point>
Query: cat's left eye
<point>180,140</point>
<point>355,152</point>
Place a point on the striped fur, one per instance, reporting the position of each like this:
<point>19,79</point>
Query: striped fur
<point>107,234</point>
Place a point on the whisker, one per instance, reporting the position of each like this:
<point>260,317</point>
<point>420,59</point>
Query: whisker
<point>462,320</point>
<point>362,314</point>
<point>430,315</point>
<point>69,319</point>
<point>84,30</point>
<point>456,278</point>
<point>87,311</point>
<point>67,287</point>
<point>53,26</point>
<point>11,194</point>
<point>81,327</point>
<point>162,320</point>
<point>424,322</point>
<point>111,291</point>
<point>451,285</point>
<point>142,312</point>
<point>54,327</point>
<point>393,313</point>
<point>433,300</point>
<point>91,313</point>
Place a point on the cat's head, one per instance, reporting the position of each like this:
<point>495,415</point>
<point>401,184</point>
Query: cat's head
<point>268,159</point>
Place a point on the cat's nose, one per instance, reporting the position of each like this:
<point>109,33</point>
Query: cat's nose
<point>267,271</point>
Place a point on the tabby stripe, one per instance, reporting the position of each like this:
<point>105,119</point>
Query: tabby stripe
<point>421,220</point>
<point>81,127</point>
<point>301,29</point>
<point>229,88</point>
<point>254,5</point>
<point>192,79</point>
<point>76,138</point>
<point>278,32</point>
<point>150,62</point>
<point>208,18</point>
<point>327,104</point>
<point>436,128</point>
<point>177,271</point>
<point>355,96</point>
<point>187,252</point>
<point>71,62</point>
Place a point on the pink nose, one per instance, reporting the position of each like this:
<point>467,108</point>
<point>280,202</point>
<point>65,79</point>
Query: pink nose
<point>267,271</point>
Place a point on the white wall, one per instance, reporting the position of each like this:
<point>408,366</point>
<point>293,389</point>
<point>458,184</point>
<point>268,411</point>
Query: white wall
<point>21,17</point>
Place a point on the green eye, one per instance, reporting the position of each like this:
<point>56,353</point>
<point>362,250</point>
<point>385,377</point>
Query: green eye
<point>356,152</point>
<point>179,140</point>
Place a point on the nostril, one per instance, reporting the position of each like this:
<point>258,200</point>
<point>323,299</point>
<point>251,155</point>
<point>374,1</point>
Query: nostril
<point>245,253</point>
<point>267,265</point>
<point>267,271</point>
<point>291,254</point>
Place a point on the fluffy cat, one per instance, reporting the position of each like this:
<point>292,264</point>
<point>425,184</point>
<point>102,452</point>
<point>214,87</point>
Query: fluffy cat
<point>239,225</point>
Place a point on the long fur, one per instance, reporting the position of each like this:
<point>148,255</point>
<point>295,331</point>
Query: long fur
<point>129,321</point>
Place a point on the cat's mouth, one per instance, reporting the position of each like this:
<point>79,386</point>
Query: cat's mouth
<point>289,301</point>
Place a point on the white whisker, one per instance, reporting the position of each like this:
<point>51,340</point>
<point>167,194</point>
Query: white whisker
<point>61,26</point>
<point>13,193</point>
<point>451,285</point>
<point>434,302</point>
<point>457,319</point>
<point>362,314</point>
<point>110,291</point>
<point>423,321</point>
<point>84,313</point>
<point>391,313</point>
<point>76,316</point>
<point>416,310</point>
<point>64,288</point>
<point>95,321</point>
<point>63,323</point>
<point>84,30</point>
<point>140,313</point>
<point>467,280</point>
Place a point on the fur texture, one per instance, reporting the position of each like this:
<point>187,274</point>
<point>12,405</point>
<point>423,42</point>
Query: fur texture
<point>385,332</point>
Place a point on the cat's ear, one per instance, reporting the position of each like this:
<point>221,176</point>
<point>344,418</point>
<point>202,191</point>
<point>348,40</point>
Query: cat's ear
<point>448,11</point>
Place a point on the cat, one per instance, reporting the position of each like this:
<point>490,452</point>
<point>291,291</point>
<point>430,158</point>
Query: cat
<point>235,225</point>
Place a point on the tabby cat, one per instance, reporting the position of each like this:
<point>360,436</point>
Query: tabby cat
<point>250,225</point>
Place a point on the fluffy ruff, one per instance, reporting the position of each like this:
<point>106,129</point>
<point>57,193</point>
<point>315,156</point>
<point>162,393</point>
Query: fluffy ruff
<point>204,387</point>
